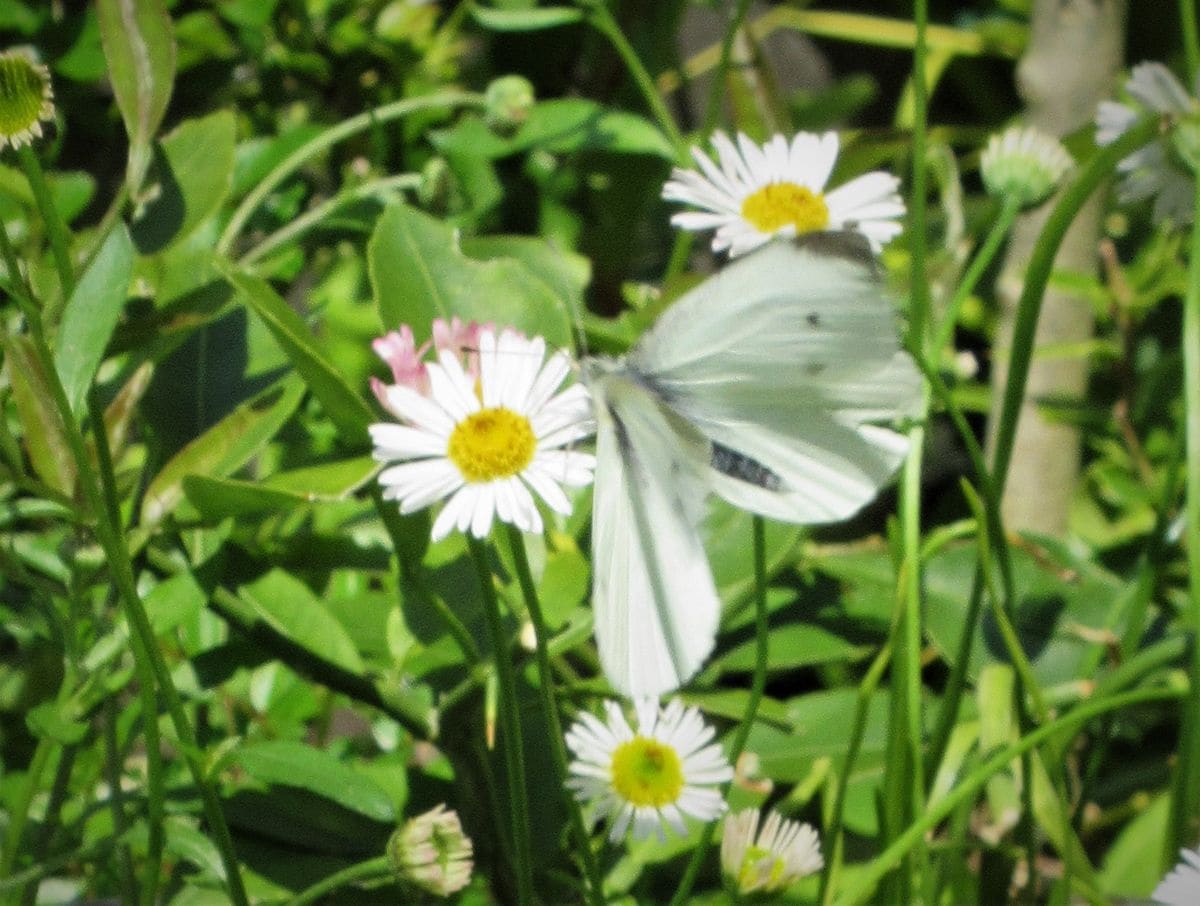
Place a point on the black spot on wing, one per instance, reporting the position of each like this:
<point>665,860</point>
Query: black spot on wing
<point>744,468</point>
<point>813,320</point>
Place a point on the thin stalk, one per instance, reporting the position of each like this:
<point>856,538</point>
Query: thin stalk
<point>1037,275</point>
<point>835,837</point>
<point>328,139</point>
<point>50,821</point>
<point>56,230</point>
<point>757,685</point>
<point>712,110</point>
<point>148,659</point>
<point>864,883</point>
<point>116,798</point>
<point>378,867</point>
<point>510,723</point>
<point>558,749</point>
<point>18,811</point>
<point>1185,799</point>
<point>1188,33</point>
<point>599,17</point>
<point>315,215</point>
<point>975,270</point>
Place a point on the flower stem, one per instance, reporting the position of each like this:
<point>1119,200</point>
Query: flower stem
<point>378,867</point>
<point>55,228</point>
<point>979,264</point>
<point>1185,800</point>
<point>757,685</point>
<point>327,139</point>
<point>600,18</point>
<point>558,749</point>
<point>510,723</point>
<point>1191,41</point>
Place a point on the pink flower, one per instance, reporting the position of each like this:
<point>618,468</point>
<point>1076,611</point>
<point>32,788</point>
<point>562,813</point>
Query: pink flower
<point>400,353</point>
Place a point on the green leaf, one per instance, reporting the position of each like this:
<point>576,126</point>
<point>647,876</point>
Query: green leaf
<point>45,432</point>
<point>1133,864</point>
<point>347,409</point>
<point>174,601</point>
<point>283,763</point>
<point>192,172</point>
<point>91,314</point>
<point>291,609</point>
<point>140,50</point>
<point>418,273</point>
<point>218,498</point>
<point>224,448</point>
<point>525,19</point>
<point>51,720</point>
<point>562,126</point>
<point>567,273</point>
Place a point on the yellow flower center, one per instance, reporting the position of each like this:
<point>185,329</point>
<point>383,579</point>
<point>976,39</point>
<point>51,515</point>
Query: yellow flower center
<point>647,772</point>
<point>22,95</point>
<point>782,204</point>
<point>491,444</point>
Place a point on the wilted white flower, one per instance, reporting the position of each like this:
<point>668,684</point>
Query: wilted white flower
<point>784,852</point>
<point>752,193</point>
<point>432,852</point>
<point>1162,169</point>
<point>1181,886</point>
<point>485,443</point>
<point>1024,163</point>
<point>665,770</point>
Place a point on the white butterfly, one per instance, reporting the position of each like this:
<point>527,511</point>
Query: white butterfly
<point>768,384</point>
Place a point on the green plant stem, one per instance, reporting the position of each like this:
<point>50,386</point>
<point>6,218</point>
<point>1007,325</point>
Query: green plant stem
<point>835,838</point>
<point>316,214</point>
<point>758,684</point>
<point>601,19</point>
<point>116,798</point>
<point>712,109</point>
<point>328,139</point>
<point>1009,209</point>
<point>1190,38</point>
<point>19,807</point>
<point>558,749</point>
<point>864,883</point>
<point>149,662</point>
<point>55,228</point>
<point>1037,275</point>
<point>510,722</point>
<point>50,822</point>
<point>1185,799</point>
<point>378,867</point>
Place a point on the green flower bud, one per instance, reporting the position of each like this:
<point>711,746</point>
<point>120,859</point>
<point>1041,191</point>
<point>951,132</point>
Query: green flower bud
<point>432,852</point>
<point>507,103</point>
<point>1024,163</point>
<point>26,97</point>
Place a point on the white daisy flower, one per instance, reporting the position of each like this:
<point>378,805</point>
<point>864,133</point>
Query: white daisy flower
<point>1181,886</point>
<point>753,193</point>
<point>651,778</point>
<point>485,444</point>
<point>1024,162</point>
<point>784,852</point>
<point>1155,170</point>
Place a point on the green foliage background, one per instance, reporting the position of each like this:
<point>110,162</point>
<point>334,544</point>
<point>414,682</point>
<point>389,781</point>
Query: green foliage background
<point>289,179</point>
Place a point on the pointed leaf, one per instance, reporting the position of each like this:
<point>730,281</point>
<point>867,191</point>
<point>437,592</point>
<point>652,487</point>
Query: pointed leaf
<point>418,273</point>
<point>291,609</point>
<point>45,433</point>
<point>140,50</point>
<point>91,314</point>
<point>347,409</point>
<point>224,448</point>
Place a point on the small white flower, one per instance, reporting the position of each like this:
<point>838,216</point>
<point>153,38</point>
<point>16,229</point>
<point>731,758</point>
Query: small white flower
<point>784,852</point>
<point>1023,162</point>
<point>26,97</point>
<point>654,777</point>
<point>484,444</point>
<point>432,852</point>
<point>753,193</point>
<point>1181,886</point>
<point>1155,170</point>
